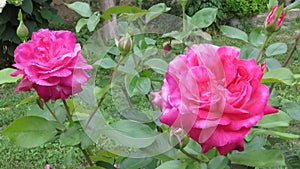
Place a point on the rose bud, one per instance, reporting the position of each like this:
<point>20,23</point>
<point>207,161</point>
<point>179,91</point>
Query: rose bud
<point>274,19</point>
<point>125,44</point>
<point>22,31</point>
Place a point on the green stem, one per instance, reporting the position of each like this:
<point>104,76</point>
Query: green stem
<point>86,155</point>
<point>52,112</point>
<point>190,155</point>
<point>183,18</point>
<point>102,99</point>
<point>262,48</point>
<point>68,110</point>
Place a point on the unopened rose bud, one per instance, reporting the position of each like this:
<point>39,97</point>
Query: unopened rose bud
<point>22,31</point>
<point>274,19</point>
<point>125,44</point>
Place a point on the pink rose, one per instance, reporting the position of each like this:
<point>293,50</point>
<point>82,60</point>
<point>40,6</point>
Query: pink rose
<point>52,64</point>
<point>213,96</point>
<point>272,17</point>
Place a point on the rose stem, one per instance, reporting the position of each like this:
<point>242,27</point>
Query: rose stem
<point>52,112</point>
<point>262,48</point>
<point>289,56</point>
<point>190,155</point>
<point>68,110</point>
<point>101,100</point>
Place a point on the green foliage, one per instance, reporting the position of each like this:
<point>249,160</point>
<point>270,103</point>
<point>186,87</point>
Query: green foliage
<point>5,76</point>
<point>40,17</point>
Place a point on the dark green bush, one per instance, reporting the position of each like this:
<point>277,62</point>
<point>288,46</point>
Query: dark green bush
<point>36,14</point>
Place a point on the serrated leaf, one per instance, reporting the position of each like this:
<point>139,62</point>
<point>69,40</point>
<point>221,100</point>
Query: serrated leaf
<point>6,78</point>
<point>30,131</point>
<point>81,22</point>
<point>82,8</point>
<point>272,63</point>
<point>204,18</point>
<point>283,75</point>
<point>258,158</point>
<point>234,33</point>
<point>292,109</point>
<point>276,49</point>
<point>158,65</point>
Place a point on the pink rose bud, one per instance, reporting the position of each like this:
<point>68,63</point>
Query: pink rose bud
<point>274,19</point>
<point>167,49</point>
<point>125,44</point>
<point>52,64</point>
<point>116,165</point>
<point>213,96</point>
<point>48,166</point>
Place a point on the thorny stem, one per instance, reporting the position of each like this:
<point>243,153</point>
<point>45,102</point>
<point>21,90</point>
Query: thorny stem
<point>262,47</point>
<point>68,110</point>
<point>289,56</point>
<point>52,112</point>
<point>102,99</point>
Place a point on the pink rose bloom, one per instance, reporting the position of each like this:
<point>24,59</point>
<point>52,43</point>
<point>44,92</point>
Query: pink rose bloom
<point>213,96</point>
<point>52,64</point>
<point>271,17</point>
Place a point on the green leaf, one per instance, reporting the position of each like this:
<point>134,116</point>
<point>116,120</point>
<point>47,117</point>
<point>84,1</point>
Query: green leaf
<point>136,115</point>
<point>176,35</point>
<point>131,134</point>
<point>258,158</point>
<point>248,52</point>
<point>293,5</point>
<point>234,33</point>
<point>276,49</point>
<point>272,63</point>
<point>121,9</point>
<point>155,11</point>
<point>292,109</point>
<point>82,8</point>
<point>86,141</point>
<point>205,17</point>
<point>137,85</point>
<point>158,65</point>
<point>283,75</point>
<point>202,34</point>
<point>92,22</point>
<point>106,63</point>
<point>287,136</point>
<point>30,131</point>
<point>280,119</point>
<point>71,137</point>
<point>135,163</point>
<point>81,22</point>
<point>174,164</point>
<point>219,162</point>
<point>256,37</point>
<point>70,159</point>
<point>193,147</point>
<point>6,78</point>
<point>105,156</point>
<point>27,6</point>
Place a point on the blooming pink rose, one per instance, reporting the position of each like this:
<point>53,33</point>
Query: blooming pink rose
<point>52,64</point>
<point>213,96</point>
<point>271,17</point>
